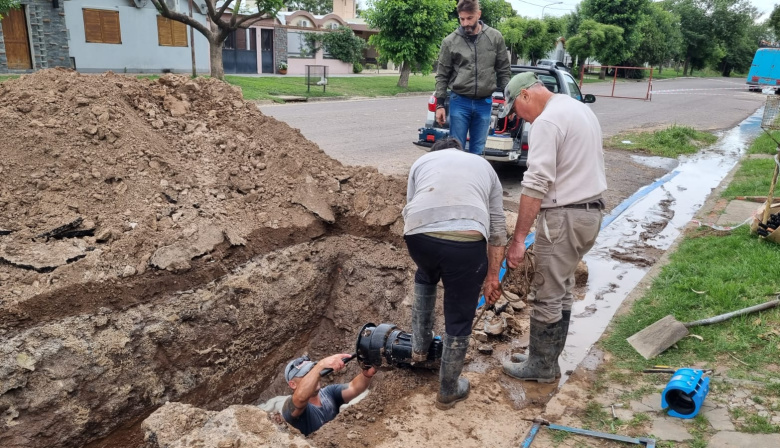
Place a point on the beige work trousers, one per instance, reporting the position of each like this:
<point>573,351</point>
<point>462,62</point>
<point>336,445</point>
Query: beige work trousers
<point>563,237</point>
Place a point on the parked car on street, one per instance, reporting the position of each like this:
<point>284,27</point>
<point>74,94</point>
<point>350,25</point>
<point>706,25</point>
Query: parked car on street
<point>551,63</point>
<point>508,138</point>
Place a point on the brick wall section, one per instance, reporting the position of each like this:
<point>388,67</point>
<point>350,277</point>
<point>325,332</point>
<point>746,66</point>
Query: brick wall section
<point>280,46</point>
<point>48,36</point>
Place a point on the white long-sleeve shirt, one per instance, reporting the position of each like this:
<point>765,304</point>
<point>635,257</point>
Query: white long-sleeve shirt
<point>565,155</point>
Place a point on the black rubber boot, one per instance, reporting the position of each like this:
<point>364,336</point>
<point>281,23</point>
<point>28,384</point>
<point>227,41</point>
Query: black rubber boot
<point>520,357</point>
<point>542,354</point>
<point>422,320</point>
<point>453,387</point>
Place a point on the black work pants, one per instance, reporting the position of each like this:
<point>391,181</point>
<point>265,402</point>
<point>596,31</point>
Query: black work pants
<point>461,266</point>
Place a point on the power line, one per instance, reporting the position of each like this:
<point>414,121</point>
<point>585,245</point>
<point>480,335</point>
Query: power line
<point>544,6</point>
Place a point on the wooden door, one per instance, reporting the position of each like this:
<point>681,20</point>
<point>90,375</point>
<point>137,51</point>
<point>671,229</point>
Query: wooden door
<point>17,45</point>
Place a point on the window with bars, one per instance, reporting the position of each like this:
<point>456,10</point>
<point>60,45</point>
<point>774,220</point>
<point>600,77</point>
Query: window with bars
<point>102,26</point>
<point>171,33</point>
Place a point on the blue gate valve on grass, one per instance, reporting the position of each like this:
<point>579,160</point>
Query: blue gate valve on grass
<point>685,393</point>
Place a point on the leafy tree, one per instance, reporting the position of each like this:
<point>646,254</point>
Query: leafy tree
<point>698,43</point>
<point>573,20</point>
<point>319,7</point>
<point>341,43</point>
<point>410,32</point>
<point>661,36</point>
<point>625,14</point>
<point>494,11</point>
<point>220,28</point>
<point>528,38</point>
<point>7,5</point>
<point>731,21</point>
<point>596,40</point>
<point>773,22</point>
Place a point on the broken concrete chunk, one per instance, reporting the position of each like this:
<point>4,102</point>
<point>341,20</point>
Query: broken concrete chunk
<point>234,238</point>
<point>177,256</point>
<point>485,349</point>
<point>41,257</point>
<point>494,325</point>
<point>104,236</point>
<point>313,199</point>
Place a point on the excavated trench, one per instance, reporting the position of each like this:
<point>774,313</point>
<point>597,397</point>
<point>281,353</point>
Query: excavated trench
<point>87,375</point>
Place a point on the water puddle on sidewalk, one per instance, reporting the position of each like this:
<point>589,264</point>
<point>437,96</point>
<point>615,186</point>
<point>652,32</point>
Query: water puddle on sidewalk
<point>634,240</point>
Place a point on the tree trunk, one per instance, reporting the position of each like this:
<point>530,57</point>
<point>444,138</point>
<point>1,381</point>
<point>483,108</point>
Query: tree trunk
<point>603,73</point>
<point>685,66</point>
<point>660,67</point>
<point>514,57</point>
<point>215,59</point>
<point>406,68</point>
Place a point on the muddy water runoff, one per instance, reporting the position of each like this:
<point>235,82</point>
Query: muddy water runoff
<point>628,245</point>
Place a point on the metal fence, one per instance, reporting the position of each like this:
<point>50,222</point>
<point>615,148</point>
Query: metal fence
<point>626,82</point>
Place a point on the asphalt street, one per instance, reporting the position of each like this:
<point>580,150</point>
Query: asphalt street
<point>379,132</point>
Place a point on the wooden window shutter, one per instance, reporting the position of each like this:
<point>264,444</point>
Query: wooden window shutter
<point>110,24</point>
<point>164,31</point>
<point>101,26</point>
<point>92,29</point>
<point>179,34</point>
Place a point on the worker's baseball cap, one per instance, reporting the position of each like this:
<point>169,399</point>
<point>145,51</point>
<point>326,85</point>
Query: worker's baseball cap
<point>298,367</point>
<point>519,82</point>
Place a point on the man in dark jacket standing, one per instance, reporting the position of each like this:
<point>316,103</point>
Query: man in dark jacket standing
<point>473,63</point>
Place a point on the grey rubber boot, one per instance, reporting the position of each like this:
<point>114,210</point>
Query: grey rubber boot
<point>422,320</point>
<point>453,387</point>
<point>566,319</point>
<point>542,354</point>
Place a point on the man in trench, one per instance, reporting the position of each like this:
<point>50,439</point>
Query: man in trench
<point>311,406</point>
<point>455,230</point>
<point>563,186</point>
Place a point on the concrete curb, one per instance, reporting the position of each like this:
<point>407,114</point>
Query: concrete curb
<point>321,99</point>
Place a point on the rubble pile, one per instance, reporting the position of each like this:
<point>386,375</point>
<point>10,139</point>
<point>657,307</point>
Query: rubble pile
<point>153,174</point>
<point>163,240</point>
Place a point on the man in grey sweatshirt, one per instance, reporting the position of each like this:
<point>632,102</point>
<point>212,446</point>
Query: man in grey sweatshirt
<point>454,210</point>
<point>473,63</point>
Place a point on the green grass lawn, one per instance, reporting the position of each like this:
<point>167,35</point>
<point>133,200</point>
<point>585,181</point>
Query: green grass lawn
<point>366,86</point>
<point>710,274</point>
<point>670,142</point>
<point>7,77</point>
<point>754,175</point>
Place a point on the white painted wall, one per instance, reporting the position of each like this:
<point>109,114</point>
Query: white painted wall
<point>140,51</point>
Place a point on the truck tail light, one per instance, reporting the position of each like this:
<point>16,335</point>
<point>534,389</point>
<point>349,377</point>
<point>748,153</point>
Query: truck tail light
<point>524,147</point>
<point>432,104</point>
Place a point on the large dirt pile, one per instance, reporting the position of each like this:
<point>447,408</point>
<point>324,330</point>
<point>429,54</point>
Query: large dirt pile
<point>163,240</point>
<point>107,176</point>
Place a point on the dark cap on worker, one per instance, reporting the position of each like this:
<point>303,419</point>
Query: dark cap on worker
<point>519,82</point>
<point>298,368</point>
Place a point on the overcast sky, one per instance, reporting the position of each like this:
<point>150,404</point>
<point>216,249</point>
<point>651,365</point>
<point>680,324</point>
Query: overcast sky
<point>533,8</point>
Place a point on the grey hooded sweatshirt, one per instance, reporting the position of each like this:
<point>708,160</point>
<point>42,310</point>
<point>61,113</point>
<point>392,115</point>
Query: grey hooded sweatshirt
<point>472,69</point>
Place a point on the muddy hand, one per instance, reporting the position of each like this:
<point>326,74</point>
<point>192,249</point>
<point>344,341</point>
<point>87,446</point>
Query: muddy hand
<point>492,290</point>
<point>334,363</point>
<point>515,254</point>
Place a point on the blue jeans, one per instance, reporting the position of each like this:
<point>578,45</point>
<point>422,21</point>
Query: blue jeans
<point>472,117</point>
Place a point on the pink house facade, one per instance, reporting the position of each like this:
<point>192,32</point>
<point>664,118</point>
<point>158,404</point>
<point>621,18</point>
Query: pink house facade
<point>262,46</point>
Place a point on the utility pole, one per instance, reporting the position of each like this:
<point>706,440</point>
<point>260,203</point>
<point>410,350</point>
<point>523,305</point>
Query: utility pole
<point>192,45</point>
